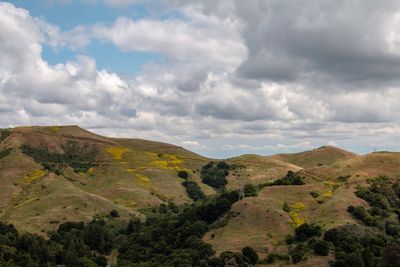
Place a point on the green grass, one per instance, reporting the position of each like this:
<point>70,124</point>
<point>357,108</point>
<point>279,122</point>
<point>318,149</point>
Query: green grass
<point>4,133</point>
<point>74,156</point>
<point>5,152</point>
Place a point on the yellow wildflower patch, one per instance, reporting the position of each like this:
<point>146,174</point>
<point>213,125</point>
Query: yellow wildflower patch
<point>162,163</point>
<point>54,129</point>
<point>143,180</point>
<point>166,161</point>
<point>174,159</point>
<point>30,178</point>
<point>125,203</point>
<point>327,194</point>
<point>117,152</point>
<point>296,220</point>
<point>332,185</point>
<point>298,206</point>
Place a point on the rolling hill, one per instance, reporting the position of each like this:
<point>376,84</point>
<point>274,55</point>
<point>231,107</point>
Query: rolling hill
<point>50,175</point>
<point>123,174</point>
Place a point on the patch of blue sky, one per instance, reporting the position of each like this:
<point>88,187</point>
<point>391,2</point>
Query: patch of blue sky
<point>56,56</point>
<point>69,14</point>
<point>73,13</point>
<point>107,57</point>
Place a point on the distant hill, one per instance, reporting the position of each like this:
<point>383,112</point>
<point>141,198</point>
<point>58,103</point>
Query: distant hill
<point>324,155</point>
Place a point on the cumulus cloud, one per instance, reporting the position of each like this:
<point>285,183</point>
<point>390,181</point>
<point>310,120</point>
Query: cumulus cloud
<point>238,76</point>
<point>203,39</point>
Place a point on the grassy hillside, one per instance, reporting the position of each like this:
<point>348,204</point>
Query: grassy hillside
<point>124,174</point>
<point>330,174</point>
<point>324,155</point>
<point>51,175</point>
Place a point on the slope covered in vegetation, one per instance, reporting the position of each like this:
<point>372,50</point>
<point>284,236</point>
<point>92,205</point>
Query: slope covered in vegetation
<point>63,182</point>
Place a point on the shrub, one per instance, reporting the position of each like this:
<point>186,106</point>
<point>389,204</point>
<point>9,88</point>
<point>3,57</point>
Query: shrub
<point>321,248</point>
<point>183,174</point>
<point>193,190</point>
<point>250,190</point>
<point>4,133</point>
<point>214,175</point>
<point>215,262</point>
<point>297,252</point>
<point>392,255</point>
<point>134,226</point>
<point>114,213</point>
<point>5,152</point>
<point>297,257</point>
<point>343,178</point>
<point>314,194</point>
<point>286,207</point>
<point>78,157</point>
<point>251,254</point>
<point>223,165</point>
<point>290,239</point>
<point>271,258</point>
<point>291,178</point>
<point>363,215</point>
<point>306,231</point>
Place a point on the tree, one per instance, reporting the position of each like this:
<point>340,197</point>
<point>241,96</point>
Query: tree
<point>321,248</point>
<point>251,254</point>
<point>133,226</point>
<point>114,213</point>
<point>193,190</point>
<point>183,174</point>
<point>305,231</point>
<point>222,165</point>
<point>392,255</point>
<point>250,190</point>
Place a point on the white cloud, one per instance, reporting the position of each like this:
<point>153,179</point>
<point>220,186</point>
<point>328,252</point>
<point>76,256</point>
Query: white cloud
<point>204,39</point>
<point>200,97</point>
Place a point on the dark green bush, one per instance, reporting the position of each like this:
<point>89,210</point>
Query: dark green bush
<point>343,178</point>
<point>321,248</point>
<point>183,174</point>
<point>4,133</point>
<point>306,231</point>
<point>79,158</point>
<point>251,254</point>
<point>250,190</point>
<point>363,215</point>
<point>392,255</point>
<point>286,207</point>
<point>273,257</point>
<point>5,152</point>
<point>298,252</point>
<point>193,190</point>
<point>214,175</point>
<point>297,257</point>
<point>114,213</point>
<point>291,178</point>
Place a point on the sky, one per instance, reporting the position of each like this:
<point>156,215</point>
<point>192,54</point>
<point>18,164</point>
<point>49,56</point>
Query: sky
<point>220,78</point>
